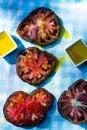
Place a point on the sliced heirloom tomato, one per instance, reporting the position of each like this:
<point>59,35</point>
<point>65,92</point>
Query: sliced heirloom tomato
<point>72,104</point>
<point>43,98</point>
<point>34,66</point>
<point>14,108</point>
<point>22,109</point>
<point>41,26</point>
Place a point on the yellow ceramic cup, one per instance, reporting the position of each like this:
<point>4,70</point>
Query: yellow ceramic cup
<point>7,44</point>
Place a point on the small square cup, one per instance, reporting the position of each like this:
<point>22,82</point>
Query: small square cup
<point>7,44</point>
<point>77,52</point>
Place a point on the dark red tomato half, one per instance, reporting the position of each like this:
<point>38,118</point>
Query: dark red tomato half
<point>22,109</point>
<point>41,26</point>
<point>34,66</point>
<point>72,104</point>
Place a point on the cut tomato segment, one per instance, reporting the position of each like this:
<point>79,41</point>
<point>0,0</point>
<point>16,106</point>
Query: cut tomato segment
<point>44,98</point>
<point>22,109</point>
<point>72,104</point>
<point>41,26</point>
<point>34,66</point>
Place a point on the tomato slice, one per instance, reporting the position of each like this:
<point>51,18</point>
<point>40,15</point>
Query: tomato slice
<point>34,66</point>
<point>41,26</point>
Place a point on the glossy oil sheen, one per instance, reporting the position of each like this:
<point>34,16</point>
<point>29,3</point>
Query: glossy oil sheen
<point>77,52</point>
